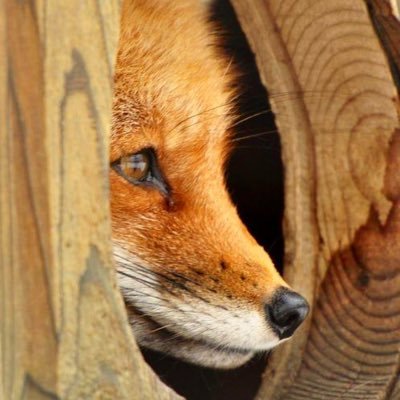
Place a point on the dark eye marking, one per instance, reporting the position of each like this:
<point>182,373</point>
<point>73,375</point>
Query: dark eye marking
<point>142,169</point>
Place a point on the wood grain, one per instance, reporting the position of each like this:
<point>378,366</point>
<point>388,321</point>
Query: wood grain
<point>27,313</point>
<point>342,225</point>
<point>63,332</point>
<point>387,27</point>
<point>396,7</point>
<point>4,243</point>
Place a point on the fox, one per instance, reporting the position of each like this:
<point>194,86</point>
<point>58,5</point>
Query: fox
<point>197,286</point>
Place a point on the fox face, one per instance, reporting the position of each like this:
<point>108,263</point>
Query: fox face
<point>196,284</point>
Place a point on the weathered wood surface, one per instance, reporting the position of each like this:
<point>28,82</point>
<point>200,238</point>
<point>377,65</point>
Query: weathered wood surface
<point>387,26</point>
<point>339,127</point>
<point>395,7</point>
<point>63,331</point>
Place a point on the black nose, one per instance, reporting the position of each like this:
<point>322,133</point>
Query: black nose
<point>286,312</point>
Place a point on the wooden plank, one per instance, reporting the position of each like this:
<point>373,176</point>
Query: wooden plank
<point>25,221</point>
<point>387,27</point>
<point>396,7</point>
<point>4,243</point>
<point>342,196</point>
<point>64,333</point>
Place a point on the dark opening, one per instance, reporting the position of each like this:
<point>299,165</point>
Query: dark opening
<point>255,181</point>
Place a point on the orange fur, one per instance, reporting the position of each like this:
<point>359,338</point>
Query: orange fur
<point>173,91</point>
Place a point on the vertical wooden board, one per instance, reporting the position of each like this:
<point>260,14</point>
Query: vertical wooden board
<point>98,357</point>
<point>27,315</point>
<point>4,221</point>
<point>339,148</point>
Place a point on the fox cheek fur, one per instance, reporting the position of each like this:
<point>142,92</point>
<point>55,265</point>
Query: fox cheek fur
<point>196,284</point>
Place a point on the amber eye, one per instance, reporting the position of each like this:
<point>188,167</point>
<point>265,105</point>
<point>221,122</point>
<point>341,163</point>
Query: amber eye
<point>136,166</point>
<point>142,169</point>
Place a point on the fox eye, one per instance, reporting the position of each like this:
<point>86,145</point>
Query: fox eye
<point>136,166</point>
<point>141,169</point>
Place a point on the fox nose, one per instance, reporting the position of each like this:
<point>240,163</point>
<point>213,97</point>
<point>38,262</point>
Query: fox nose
<point>286,312</point>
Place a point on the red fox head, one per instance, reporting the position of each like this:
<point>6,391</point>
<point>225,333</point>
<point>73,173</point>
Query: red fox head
<point>196,284</point>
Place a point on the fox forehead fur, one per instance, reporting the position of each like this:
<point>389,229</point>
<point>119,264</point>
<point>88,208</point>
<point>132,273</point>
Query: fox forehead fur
<point>194,280</point>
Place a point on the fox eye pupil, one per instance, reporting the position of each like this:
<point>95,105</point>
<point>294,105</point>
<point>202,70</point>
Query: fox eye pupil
<point>136,166</point>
